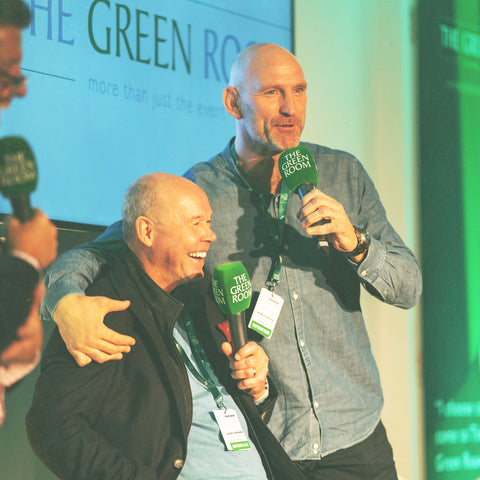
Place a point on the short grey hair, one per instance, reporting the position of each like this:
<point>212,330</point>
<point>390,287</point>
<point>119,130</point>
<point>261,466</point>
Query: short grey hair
<point>142,198</point>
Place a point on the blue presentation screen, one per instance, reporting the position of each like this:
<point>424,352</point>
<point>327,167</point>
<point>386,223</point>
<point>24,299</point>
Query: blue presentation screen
<point>120,89</point>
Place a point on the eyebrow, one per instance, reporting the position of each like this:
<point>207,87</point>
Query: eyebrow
<point>199,217</point>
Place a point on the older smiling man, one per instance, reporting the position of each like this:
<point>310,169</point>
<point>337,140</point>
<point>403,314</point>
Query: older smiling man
<point>151,414</point>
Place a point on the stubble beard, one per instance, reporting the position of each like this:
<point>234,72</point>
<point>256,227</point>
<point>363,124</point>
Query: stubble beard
<point>272,142</point>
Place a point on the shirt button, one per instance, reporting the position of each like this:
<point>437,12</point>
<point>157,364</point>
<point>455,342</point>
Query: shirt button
<point>315,451</point>
<point>302,343</point>
<point>178,463</point>
<point>315,446</point>
<point>315,404</point>
<point>295,296</point>
<point>364,273</point>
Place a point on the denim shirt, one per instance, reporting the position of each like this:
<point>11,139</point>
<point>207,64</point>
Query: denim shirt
<point>320,357</point>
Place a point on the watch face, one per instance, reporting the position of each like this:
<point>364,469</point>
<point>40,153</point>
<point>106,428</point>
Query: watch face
<point>364,237</point>
<point>363,241</point>
<point>363,245</point>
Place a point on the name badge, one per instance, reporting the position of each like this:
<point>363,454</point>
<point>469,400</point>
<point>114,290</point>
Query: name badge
<point>232,433</point>
<point>266,313</point>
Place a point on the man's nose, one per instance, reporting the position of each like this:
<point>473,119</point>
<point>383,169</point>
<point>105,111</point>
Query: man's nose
<point>210,235</point>
<point>287,106</point>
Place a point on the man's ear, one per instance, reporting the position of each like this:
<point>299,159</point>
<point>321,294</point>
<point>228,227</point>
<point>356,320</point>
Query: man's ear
<point>231,100</point>
<point>144,229</point>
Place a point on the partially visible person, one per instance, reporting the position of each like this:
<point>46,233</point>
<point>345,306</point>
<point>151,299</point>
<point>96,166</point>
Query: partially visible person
<point>32,245</point>
<point>154,413</point>
<point>14,16</point>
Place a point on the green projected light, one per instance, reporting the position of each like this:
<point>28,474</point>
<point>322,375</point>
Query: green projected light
<point>468,13</point>
<point>450,147</point>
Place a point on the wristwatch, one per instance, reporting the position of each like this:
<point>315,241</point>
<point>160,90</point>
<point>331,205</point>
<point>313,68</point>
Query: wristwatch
<point>265,394</point>
<point>363,242</point>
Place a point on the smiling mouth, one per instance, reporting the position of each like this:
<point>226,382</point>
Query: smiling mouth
<point>197,254</point>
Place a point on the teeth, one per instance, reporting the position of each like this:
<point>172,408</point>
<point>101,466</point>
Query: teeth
<point>198,254</point>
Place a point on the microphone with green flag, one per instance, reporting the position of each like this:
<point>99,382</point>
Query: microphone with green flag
<point>299,171</point>
<point>18,175</point>
<point>233,292</point>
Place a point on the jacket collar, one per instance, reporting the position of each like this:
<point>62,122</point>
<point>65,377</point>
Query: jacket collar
<point>126,276</point>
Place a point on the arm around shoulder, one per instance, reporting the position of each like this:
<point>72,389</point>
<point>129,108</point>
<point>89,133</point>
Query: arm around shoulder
<point>76,269</point>
<point>80,318</point>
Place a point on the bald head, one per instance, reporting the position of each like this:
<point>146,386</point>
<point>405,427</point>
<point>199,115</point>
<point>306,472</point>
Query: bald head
<point>254,58</point>
<point>152,196</point>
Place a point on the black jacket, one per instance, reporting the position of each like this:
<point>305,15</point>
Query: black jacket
<point>18,280</point>
<point>130,419</point>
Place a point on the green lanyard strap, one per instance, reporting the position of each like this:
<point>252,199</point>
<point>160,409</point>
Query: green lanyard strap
<point>201,359</point>
<point>276,226</point>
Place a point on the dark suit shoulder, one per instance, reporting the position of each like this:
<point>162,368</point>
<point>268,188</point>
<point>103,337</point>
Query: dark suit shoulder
<point>18,280</point>
<point>15,269</point>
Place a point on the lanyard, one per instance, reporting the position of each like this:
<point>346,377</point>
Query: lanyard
<point>276,226</point>
<point>202,361</point>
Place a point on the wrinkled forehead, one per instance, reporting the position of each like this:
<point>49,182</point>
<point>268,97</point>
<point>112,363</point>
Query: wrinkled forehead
<point>10,46</point>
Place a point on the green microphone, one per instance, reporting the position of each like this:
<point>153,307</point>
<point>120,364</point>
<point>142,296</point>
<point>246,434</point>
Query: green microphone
<point>299,171</point>
<point>233,292</point>
<point>18,175</point>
